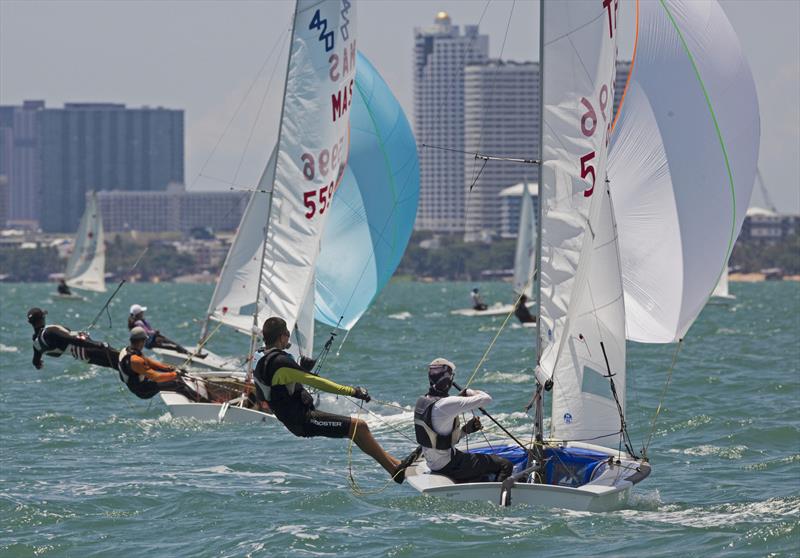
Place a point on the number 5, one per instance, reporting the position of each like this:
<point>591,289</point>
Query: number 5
<point>586,170</point>
<point>308,200</point>
<point>323,200</point>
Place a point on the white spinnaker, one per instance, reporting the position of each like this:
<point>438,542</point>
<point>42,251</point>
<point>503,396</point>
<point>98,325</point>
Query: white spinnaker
<point>313,147</point>
<point>86,266</point>
<point>525,255</point>
<point>682,164</point>
<point>582,303</point>
<point>234,300</point>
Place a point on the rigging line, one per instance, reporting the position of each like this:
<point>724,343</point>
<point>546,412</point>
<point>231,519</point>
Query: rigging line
<point>121,283</point>
<point>480,172</point>
<point>201,344</point>
<point>258,114</point>
<point>484,156</point>
<point>239,107</point>
<point>494,340</point>
<point>491,93</point>
<point>661,399</point>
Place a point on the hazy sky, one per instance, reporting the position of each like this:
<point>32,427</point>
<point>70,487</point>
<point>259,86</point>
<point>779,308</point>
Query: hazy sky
<point>203,57</point>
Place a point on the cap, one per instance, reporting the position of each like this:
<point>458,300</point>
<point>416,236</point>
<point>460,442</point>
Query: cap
<point>137,308</point>
<point>441,373</point>
<point>35,314</point>
<point>138,334</point>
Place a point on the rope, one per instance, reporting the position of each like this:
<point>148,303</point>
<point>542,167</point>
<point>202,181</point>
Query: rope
<point>661,399</point>
<point>201,344</point>
<point>499,331</point>
<point>354,486</point>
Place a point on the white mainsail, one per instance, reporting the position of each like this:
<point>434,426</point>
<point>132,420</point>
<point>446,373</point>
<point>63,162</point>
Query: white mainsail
<point>582,327</point>
<point>86,266</point>
<point>722,290</point>
<point>682,163</point>
<point>313,148</point>
<point>525,255</point>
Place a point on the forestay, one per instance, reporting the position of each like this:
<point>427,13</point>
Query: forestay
<point>86,266</point>
<point>525,255</point>
<point>313,149</point>
<point>682,163</point>
<point>581,293</point>
<point>375,206</point>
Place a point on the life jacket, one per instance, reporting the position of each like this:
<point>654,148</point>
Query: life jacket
<point>289,402</point>
<point>141,388</point>
<point>427,437</point>
<point>41,345</point>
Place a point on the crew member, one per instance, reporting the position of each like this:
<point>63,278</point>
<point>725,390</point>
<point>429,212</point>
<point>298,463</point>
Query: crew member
<point>145,377</point>
<point>477,302</point>
<point>154,337</point>
<point>437,429</point>
<point>521,310</point>
<point>279,381</point>
<point>54,340</point>
<point>63,288</point>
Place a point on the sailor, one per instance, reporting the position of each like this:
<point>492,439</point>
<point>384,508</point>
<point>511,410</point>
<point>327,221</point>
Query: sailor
<point>437,429</point>
<point>279,382</point>
<point>521,310</point>
<point>63,288</point>
<point>145,377</point>
<point>477,302</point>
<point>55,340</point>
<point>154,337</point>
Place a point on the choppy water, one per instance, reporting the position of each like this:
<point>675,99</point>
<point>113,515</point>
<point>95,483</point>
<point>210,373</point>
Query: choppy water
<point>87,469</point>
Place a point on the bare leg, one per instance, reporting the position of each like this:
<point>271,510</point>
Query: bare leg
<point>369,445</point>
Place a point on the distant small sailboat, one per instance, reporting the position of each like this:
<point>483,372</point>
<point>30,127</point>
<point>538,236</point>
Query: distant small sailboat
<point>524,261</point>
<point>721,292</point>
<point>86,266</point>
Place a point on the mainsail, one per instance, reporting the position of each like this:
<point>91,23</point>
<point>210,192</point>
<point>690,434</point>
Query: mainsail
<point>86,266</point>
<point>525,255</point>
<point>682,163</point>
<point>582,327</point>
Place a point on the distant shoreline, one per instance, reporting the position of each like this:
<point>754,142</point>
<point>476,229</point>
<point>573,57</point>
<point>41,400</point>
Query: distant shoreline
<point>756,277</point>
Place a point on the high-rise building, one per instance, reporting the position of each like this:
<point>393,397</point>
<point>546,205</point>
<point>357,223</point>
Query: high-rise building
<point>56,155</point>
<point>20,159</point>
<point>3,200</point>
<point>501,117</point>
<point>441,53</point>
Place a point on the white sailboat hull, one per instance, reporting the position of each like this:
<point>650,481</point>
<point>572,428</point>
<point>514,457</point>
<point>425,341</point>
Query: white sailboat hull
<point>180,407</point>
<point>66,297</point>
<point>212,362</point>
<point>610,490</point>
<point>494,310</point>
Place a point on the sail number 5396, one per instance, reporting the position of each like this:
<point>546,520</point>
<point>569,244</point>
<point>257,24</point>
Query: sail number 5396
<point>318,200</point>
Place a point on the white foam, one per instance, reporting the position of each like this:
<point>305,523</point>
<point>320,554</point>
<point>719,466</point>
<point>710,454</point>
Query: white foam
<point>400,316</point>
<point>7,349</point>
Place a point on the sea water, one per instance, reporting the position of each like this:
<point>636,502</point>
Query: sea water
<point>87,469</point>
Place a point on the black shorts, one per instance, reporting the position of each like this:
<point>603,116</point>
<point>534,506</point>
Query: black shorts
<point>476,467</point>
<point>326,425</point>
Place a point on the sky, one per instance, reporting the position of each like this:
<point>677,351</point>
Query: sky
<point>224,63</point>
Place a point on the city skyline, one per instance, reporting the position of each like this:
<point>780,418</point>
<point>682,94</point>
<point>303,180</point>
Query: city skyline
<point>202,58</point>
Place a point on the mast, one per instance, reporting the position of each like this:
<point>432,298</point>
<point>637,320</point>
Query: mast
<point>539,413</point>
<point>254,332</point>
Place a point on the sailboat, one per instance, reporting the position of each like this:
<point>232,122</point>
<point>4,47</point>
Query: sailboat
<point>721,291</point>
<point>367,229</point>
<point>86,266</point>
<point>524,262</point>
<point>590,294</point>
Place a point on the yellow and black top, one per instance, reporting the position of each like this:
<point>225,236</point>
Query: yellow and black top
<point>279,381</point>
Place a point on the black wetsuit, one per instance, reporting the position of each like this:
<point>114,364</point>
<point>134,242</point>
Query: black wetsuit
<point>522,313</point>
<point>279,379</point>
<point>54,340</point>
<point>64,289</point>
